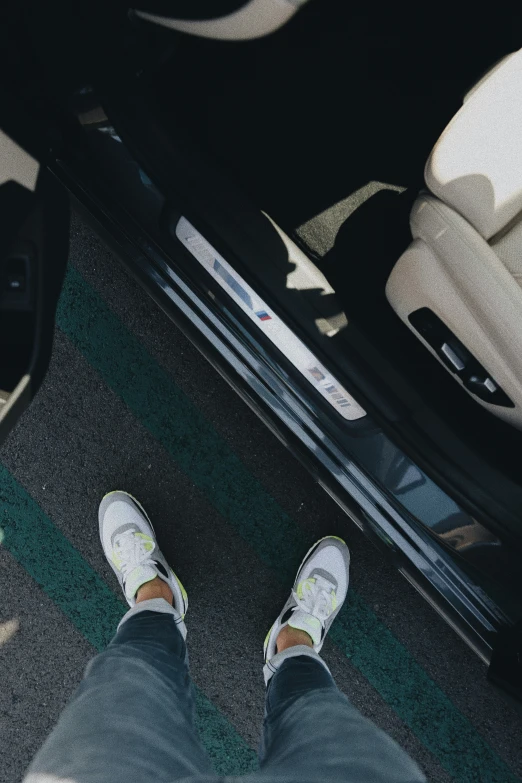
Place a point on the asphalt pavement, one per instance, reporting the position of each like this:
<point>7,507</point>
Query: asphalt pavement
<point>129,403</point>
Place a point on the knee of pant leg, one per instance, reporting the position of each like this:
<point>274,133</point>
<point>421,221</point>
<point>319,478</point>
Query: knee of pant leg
<point>150,660</point>
<point>324,735</point>
<point>124,674</point>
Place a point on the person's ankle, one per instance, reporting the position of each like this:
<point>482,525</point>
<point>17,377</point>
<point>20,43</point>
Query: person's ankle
<point>290,637</point>
<point>156,588</point>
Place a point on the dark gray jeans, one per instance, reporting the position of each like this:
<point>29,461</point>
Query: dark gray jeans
<point>132,720</point>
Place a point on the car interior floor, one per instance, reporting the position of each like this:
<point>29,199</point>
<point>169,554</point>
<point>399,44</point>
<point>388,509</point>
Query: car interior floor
<point>327,125</point>
<point>341,96</point>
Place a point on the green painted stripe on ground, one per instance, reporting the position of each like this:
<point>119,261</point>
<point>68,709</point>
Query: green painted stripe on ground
<point>172,419</point>
<point>196,447</point>
<point>93,608</point>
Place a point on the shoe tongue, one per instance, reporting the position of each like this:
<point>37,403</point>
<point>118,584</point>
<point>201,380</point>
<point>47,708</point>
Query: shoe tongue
<point>138,577</point>
<point>303,621</point>
<point>324,584</point>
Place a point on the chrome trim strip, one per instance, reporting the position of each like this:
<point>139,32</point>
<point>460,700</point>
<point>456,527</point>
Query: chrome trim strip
<point>268,322</point>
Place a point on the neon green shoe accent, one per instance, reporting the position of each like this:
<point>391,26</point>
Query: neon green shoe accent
<point>312,580</point>
<point>299,591</point>
<point>312,621</point>
<point>265,643</point>
<point>337,538</point>
<point>183,591</point>
<point>149,545</point>
<point>114,492</point>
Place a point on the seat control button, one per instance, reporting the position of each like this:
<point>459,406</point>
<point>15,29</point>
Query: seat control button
<point>483,387</point>
<point>490,385</point>
<point>456,361</point>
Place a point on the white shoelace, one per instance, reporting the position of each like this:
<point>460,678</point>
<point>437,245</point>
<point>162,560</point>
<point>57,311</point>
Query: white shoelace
<point>131,551</point>
<point>318,598</point>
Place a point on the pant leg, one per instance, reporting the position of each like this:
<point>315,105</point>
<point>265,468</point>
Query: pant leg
<point>132,718</point>
<point>312,733</point>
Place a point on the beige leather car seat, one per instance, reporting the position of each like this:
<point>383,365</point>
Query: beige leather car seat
<point>254,19</point>
<point>458,285</point>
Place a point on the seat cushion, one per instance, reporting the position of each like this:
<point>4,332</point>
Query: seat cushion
<point>476,165</point>
<point>450,269</point>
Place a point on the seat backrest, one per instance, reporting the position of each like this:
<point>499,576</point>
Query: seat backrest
<point>476,165</point>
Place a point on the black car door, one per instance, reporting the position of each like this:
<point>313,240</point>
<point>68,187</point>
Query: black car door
<point>34,222</point>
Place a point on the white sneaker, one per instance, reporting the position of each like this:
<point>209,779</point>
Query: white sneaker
<point>320,587</point>
<point>130,546</point>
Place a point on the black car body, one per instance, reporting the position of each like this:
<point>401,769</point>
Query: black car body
<point>178,148</point>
